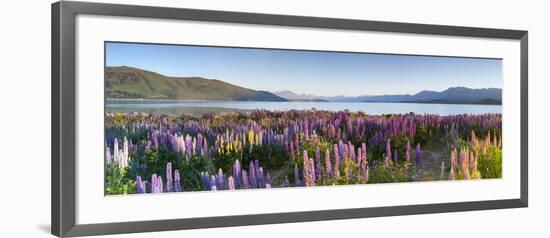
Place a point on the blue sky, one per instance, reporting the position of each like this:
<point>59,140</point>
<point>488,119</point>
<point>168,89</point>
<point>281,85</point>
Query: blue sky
<point>311,72</point>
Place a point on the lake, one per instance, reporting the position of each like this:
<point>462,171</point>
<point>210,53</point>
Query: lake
<point>375,108</point>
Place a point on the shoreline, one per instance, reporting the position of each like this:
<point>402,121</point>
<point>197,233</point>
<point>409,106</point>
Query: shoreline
<point>290,101</point>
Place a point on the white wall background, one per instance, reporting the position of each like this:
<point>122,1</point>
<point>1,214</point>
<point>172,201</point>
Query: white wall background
<point>25,117</point>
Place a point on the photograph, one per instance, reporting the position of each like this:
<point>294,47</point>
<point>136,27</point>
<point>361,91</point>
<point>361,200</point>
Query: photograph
<point>198,118</point>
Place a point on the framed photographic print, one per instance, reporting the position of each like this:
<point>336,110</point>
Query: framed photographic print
<point>166,119</point>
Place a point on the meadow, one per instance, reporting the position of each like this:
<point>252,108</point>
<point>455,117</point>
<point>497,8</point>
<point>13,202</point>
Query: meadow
<point>151,152</point>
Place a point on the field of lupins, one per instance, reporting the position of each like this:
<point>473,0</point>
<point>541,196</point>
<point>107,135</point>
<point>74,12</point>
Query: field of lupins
<point>159,153</point>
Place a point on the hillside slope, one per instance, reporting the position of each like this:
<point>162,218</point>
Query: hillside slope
<point>133,83</point>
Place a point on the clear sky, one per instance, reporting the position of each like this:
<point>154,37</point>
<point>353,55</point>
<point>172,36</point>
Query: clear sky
<point>311,72</point>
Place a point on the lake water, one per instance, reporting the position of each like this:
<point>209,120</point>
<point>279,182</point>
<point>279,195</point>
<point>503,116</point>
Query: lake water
<point>174,106</point>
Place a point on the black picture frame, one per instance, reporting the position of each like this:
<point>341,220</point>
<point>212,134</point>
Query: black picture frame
<point>63,136</point>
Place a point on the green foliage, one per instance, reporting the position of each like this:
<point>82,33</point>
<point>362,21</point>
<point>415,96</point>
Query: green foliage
<point>116,182</point>
<point>426,134</point>
<point>380,173</point>
<point>490,164</point>
<point>190,172</point>
<point>376,153</point>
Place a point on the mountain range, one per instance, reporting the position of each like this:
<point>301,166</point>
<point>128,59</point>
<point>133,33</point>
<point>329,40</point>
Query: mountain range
<point>132,83</point>
<point>453,95</point>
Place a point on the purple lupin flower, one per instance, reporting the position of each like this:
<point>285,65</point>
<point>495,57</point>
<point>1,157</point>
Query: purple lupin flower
<point>388,148</point>
<point>220,180</point>
<point>204,147</point>
<point>169,177</point>
<point>319,166</point>
<point>341,149</point>
<point>154,181</point>
<point>199,144</point>
<point>231,183</point>
<point>237,173</point>
<point>395,157</point>
<point>336,162</point>
<point>155,140</point>
<point>359,161</point>
<point>188,147</point>
<point>245,180</point>
<point>252,174</point>
<point>259,174</point>
<point>292,151</point>
<point>213,183</point>
<point>260,177</point>
<point>205,177</point>
<point>417,154</point>
<point>296,176</point>
<point>140,186</point>
<point>160,188</point>
<point>177,181</point>
<point>408,152</point>
<point>328,165</point>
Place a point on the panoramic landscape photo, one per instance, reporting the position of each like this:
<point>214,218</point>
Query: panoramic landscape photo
<point>182,118</point>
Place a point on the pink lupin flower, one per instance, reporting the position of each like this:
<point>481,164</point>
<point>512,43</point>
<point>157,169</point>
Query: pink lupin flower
<point>452,175</point>
<point>471,163</point>
<point>408,152</point>
<point>364,151</point>
<point>454,161</point>
<point>336,161</point>
<point>311,172</point>
<point>305,159</point>
<point>328,166</point>
<point>464,164</point>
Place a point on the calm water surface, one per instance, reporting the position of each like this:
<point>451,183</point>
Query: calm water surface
<point>173,106</point>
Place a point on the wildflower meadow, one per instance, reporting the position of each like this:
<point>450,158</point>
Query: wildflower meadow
<point>150,152</point>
